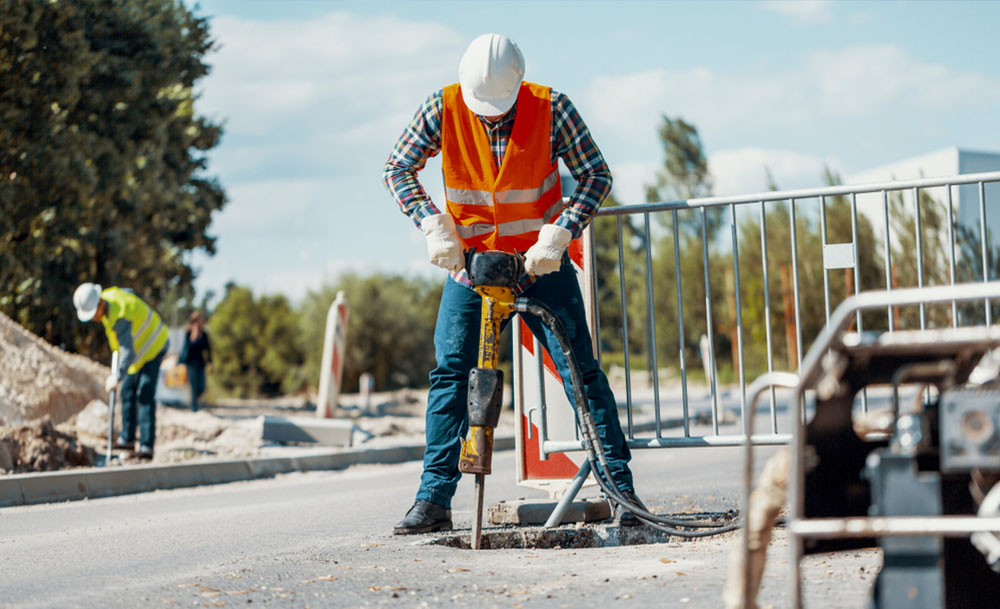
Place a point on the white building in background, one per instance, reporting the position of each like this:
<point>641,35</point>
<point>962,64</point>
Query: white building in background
<point>942,163</point>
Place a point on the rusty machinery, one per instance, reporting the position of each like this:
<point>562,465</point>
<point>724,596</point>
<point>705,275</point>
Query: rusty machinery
<point>925,488</point>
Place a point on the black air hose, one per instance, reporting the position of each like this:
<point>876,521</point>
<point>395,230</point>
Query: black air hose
<point>592,442</point>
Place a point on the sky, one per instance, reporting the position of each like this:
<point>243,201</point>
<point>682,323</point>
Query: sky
<point>313,94</point>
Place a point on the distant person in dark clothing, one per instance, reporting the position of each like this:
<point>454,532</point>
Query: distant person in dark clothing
<point>196,355</point>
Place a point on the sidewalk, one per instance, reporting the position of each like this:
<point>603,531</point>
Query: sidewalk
<point>98,482</point>
<point>94,482</point>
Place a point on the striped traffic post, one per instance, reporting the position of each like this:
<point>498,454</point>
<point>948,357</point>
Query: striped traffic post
<point>333,358</point>
<point>538,387</point>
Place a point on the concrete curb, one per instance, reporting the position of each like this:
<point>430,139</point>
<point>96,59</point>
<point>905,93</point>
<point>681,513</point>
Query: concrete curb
<point>94,483</point>
<point>98,482</point>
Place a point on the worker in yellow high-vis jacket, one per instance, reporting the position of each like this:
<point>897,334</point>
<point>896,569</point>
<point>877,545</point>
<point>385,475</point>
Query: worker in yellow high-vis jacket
<point>139,336</point>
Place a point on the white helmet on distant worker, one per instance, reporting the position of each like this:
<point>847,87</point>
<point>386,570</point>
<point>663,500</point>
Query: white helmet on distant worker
<point>490,74</point>
<point>86,298</point>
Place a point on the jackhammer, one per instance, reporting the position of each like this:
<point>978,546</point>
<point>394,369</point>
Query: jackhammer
<point>494,274</point>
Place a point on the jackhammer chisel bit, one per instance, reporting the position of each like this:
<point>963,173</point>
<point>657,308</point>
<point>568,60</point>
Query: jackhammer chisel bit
<point>493,275</point>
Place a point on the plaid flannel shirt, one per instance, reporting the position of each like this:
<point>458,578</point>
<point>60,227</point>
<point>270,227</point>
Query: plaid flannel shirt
<point>570,141</point>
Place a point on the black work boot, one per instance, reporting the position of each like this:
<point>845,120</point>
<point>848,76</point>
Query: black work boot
<point>622,516</point>
<point>423,517</point>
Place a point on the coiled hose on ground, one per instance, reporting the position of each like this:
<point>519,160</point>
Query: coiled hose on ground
<point>591,439</point>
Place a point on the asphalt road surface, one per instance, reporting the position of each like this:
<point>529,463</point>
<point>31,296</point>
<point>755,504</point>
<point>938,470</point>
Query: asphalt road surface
<point>323,539</point>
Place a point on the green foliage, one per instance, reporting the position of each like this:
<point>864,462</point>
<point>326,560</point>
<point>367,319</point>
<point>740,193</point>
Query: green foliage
<point>101,155</point>
<point>812,294</point>
<point>684,240</point>
<point>609,276</point>
<point>684,174</point>
<point>934,247</point>
<point>256,344</point>
<point>390,329</point>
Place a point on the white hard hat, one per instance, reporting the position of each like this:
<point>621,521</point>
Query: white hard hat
<point>85,299</point>
<point>490,74</point>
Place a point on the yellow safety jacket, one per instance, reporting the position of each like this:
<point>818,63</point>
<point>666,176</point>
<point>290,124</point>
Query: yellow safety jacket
<point>500,208</point>
<point>149,335</point>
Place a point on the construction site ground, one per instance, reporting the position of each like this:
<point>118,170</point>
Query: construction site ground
<point>323,539</point>
<point>280,532</point>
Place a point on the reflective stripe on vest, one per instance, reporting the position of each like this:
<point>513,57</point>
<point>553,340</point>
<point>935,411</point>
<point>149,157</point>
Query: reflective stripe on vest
<point>509,229</point>
<point>146,344</point>
<point>484,197</point>
<point>149,335</point>
<point>500,208</point>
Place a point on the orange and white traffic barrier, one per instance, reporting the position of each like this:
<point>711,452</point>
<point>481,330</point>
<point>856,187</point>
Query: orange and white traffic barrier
<point>541,407</point>
<point>332,369</point>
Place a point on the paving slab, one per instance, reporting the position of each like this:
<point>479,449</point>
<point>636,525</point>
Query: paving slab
<point>328,432</point>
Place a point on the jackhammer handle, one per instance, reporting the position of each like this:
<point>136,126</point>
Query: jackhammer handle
<point>494,268</point>
<point>111,409</point>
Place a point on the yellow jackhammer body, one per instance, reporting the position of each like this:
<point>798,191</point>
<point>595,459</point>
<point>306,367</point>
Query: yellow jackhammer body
<point>493,275</point>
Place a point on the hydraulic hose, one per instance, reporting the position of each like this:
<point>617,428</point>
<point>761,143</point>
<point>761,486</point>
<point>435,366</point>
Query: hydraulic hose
<point>592,442</point>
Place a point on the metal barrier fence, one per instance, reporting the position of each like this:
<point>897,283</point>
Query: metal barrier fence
<point>879,240</point>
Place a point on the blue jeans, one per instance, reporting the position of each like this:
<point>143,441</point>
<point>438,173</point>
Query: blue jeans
<point>456,344</point>
<point>139,394</point>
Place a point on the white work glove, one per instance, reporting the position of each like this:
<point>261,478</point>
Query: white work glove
<point>111,382</point>
<point>545,256</point>
<point>443,246</point>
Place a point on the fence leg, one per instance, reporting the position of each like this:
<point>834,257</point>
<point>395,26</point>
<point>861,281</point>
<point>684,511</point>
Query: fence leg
<point>567,499</point>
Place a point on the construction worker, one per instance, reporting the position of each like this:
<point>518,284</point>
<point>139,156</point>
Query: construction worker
<point>500,140</point>
<point>139,336</point>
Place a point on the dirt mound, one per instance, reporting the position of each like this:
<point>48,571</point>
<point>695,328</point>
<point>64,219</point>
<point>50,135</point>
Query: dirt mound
<point>229,429</point>
<point>40,447</point>
<point>38,380</point>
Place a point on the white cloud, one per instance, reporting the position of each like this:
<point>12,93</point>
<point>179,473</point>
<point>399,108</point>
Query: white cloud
<point>336,89</point>
<point>861,80</point>
<point>744,170</point>
<point>856,82</point>
<point>312,109</point>
<point>803,12</point>
<point>260,206</point>
<point>630,180</point>
<point>734,172</point>
<point>339,55</point>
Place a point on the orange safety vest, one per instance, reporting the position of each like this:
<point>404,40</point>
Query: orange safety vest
<point>500,210</point>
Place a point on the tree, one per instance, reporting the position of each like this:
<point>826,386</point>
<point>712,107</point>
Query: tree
<point>934,265</point>
<point>101,155</point>
<point>609,274</point>
<point>390,329</point>
<point>810,270</point>
<point>684,175</point>
<point>256,345</point>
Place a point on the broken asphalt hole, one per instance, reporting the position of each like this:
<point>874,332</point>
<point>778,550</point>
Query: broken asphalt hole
<point>569,537</point>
